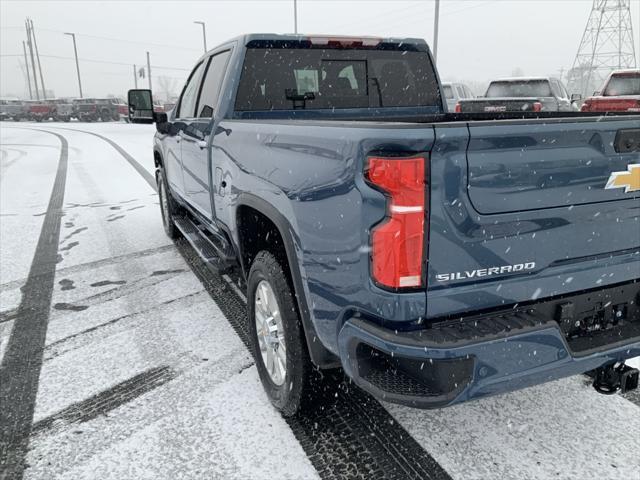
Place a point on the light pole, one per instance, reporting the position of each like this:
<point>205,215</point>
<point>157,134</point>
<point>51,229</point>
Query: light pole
<point>204,35</point>
<point>149,70</point>
<point>75,51</point>
<point>295,16</point>
<point>35,45</point>
<point>26,64</point>
<point>33,62</point>
<point>435,32</point>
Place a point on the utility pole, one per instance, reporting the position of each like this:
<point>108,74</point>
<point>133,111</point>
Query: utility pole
<point>75,51</point>
<point>295,16</point>
<point>135,76</point>
<point>35,44</point>
<point>436,21</point>
<point>204,35</point>
<point>26,64</point>
<point>33,62</point>
<point>149,70</point>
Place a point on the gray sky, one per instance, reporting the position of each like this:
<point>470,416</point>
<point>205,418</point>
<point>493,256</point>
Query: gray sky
<point>479,39</point>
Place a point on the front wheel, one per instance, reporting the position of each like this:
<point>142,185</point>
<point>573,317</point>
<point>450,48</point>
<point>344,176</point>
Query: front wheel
<point>168,207</point>
<point>277,337</point>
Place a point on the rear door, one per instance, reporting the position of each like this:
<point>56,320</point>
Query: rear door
<point>196,135</point>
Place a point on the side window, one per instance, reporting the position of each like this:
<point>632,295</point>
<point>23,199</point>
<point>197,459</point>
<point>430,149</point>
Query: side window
<point>190,94</point>
<point>212,84</point>
<point>555,88</point>
<point>460,91</point>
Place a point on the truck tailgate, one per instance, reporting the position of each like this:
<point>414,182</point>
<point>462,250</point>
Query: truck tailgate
<point>526,214</point>
<point>525,167</point>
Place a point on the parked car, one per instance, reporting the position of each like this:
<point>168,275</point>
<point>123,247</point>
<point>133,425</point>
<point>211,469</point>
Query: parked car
<point>377,232</point>
<point>123,109</point>
<point>12,109</point>
<point>63,109</point>
<point>109,108</point>
<point>522,94</point>
<point>454,92</point>
<point>86,109</point>
<point>158,106</point>
<point>620,93</point>
<point>39,110</point>
<point>99,109</point>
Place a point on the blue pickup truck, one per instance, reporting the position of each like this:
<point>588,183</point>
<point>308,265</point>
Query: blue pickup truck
<point>435,257</point>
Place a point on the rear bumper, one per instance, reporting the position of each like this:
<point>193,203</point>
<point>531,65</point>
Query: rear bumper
<point>472,359</point>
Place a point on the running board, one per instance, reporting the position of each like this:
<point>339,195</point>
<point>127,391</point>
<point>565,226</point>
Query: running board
<point>215,252</point>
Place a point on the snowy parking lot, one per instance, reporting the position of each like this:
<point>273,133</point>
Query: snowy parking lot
<point>124,357</point>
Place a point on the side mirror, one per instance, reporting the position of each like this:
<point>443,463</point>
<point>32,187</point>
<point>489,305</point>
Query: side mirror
<point>162,122</point>
<point>576,97</point>
<point>140,106</point>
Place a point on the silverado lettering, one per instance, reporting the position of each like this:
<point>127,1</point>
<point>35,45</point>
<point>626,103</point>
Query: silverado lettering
<point>485,272</point>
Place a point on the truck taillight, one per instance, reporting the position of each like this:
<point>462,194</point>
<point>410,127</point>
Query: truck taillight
<point>634,108</point>
<point>537,107</point>
<point>458,108</point>
<point>397,243</point>
<point>345,42</point>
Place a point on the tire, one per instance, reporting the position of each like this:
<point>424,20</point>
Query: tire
<point>287,392</point>
<point>168,206</point>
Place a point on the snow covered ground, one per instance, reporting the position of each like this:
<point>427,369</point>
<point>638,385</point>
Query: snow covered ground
<point>142,376</point>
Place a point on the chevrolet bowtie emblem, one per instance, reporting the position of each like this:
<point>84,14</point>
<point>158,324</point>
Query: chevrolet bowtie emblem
<point>630,179</point>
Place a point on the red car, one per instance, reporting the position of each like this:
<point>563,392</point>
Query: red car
<point>621,93</point>
<point>40,110</point>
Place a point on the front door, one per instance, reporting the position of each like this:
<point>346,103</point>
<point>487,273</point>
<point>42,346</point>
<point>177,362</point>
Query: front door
<point>197,134</point>
<point>179,122</point>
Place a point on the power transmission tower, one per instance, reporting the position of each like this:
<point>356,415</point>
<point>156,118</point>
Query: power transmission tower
<point>607,44</point>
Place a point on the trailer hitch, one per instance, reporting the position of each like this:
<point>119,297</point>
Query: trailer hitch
<point>615,377</point>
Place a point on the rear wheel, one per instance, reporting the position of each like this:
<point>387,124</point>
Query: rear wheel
<point>277,337</point>
<point>168,206</point>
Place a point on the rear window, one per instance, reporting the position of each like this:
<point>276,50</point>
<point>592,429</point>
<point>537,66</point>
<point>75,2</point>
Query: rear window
<point>623,85</point>
<point>276,78</point>
<point>525,88</point>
